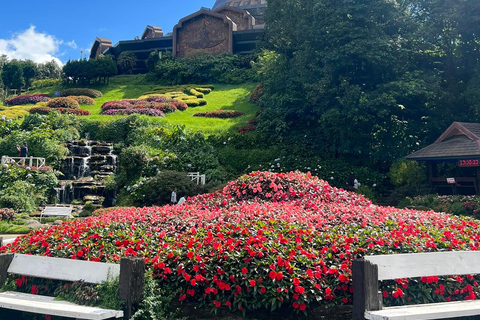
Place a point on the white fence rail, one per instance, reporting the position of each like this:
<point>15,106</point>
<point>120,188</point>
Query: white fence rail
<point>197,176</point>
<point>28,161</point>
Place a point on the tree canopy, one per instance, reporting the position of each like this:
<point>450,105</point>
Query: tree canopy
<point>375,77</point>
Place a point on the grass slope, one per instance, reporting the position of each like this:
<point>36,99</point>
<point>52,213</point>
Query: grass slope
<point>225,97</point>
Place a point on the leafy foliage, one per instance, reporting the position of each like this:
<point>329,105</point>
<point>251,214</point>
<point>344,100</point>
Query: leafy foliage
<point>222,114</point>
<point>27,99</point>
<point>63,102</point>
<point>92,93</point>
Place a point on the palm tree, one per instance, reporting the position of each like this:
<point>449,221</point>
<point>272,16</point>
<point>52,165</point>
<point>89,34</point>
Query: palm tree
<point>126,61</point>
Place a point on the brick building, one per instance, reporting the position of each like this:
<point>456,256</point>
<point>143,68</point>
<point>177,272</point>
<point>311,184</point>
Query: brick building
<point>234,26</point>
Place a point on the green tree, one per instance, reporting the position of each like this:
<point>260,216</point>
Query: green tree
<point>126,61</point>
<point>12,75</point>
<point>30,71</point>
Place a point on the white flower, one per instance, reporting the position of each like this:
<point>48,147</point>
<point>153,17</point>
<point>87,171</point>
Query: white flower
<point>144,179</point>
<point>29,175</point>
<point>331,178</point>
<point>175,157</point>
<point>128,189</point>
<point>28,168</point>
<point>135,186</point>
<point>224,142</point>
<point>189,165</point>
<point>374,185</point>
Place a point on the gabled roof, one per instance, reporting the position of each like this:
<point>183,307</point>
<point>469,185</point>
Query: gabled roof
<point>156,32</point>
<point>460,140</point>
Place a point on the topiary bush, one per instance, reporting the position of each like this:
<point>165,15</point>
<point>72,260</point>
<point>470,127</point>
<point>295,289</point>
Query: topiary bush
<point>157,190</point>
<point>195,93</point>
<point>83,100</point>
<point>92,93</point>
<point>25,99</point>
<point>47,110</point>
<point>63,102</point>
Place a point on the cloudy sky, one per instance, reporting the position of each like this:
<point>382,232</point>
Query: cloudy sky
<point>61,30</point>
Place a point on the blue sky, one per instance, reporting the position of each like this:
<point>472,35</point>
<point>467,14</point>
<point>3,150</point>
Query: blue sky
<point>60,30</point>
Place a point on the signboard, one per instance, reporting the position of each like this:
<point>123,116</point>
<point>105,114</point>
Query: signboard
<point>451,180</point>
<point>469,163</point>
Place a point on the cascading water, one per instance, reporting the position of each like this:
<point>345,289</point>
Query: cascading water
<point>84,169</point>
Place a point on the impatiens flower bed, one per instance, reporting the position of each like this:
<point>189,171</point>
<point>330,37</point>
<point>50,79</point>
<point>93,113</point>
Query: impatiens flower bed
<point>222,114</point>
<point>267,240</point>
<point>152,106</point>
<point>47,110</point>
<point>27,99</point>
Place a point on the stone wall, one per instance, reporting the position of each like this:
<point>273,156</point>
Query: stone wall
<point>203,32</point>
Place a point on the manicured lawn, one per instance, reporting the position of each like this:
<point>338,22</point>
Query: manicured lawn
<point>225,97</point>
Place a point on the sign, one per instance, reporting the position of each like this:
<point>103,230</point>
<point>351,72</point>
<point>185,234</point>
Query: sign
<point>451,180</point>
<point>469,163</point>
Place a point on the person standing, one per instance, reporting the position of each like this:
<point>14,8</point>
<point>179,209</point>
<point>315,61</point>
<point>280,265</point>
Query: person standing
<point>23,152</point>
<point>173,198</point>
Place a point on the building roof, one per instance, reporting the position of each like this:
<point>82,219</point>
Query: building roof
<point>461,140</point>
<point>239,3</point>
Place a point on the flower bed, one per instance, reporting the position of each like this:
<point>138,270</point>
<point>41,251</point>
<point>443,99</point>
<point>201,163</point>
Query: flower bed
<point>63,102</point>
<point>267,240</point>
<point>152,106</point>
<point>83,100</point>
<point>27,99</point>
<point>92,93</point>
<point>457,204</point>
<point>47,110</point>
<point>222,114</point>
<point>6,214</point>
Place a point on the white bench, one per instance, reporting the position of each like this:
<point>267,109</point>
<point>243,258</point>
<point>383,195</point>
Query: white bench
<point>131,284</point>
<point>367,300</point>
<point>51,211</point>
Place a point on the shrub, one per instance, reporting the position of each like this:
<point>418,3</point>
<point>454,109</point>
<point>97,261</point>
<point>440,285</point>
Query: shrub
<point>41,104</point>
<point>27,99</point>
<point>204,90</point>
<point>157,190</point>
<point>195,102</point>
<point>144,111</point>
<point>63,102</point>
<point>222,114</point>
<point>83,100</point>
<point>40,110</point>
<point>46,83</point>
<point>92,93</point>
<point>195,93</point>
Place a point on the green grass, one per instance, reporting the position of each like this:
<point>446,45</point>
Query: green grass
<point>225,97</point>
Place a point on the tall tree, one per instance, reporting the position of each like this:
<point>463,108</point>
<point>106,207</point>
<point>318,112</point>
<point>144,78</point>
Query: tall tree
<point>126,61</point>
<point>12,75</point>
<point>30,71</point>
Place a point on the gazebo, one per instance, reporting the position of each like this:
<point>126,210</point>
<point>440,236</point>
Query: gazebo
<point>458,145</point>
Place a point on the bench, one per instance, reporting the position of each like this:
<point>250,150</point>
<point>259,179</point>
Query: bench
<point>367,300</point>
<point>51,211</point>
<point>131,283</point>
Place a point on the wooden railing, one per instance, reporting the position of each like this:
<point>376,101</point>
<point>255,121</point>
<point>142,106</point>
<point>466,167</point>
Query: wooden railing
<point>22,161</point>
<point>197,176</point>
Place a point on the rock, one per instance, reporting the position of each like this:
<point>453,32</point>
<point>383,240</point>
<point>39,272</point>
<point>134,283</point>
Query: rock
<point>57,222</point>
<point>31,222</point>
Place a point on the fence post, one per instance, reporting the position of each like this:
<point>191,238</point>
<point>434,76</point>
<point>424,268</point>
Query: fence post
<point>131,283</point>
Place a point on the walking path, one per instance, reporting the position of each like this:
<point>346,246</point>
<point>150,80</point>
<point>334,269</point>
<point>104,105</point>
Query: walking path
<point>8,238</point>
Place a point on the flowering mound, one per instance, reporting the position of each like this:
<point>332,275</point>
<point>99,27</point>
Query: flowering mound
<point>222,114</point>
<point>47,110</point>
<point>63,102</point>
<point>27,99</point>
<point>83,100</point>
<point>246,250</point>
<point>268,186</point>
<point>92,93</point>
<point>152,106</point>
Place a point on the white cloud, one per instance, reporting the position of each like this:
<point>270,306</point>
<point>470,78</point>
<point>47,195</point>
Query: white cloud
<point>30,44</point>
<point>72,44</point>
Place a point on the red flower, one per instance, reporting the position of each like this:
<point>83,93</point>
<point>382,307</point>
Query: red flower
<point>217,303</point>
<point>299,289</point>
<point>19,282</point>
<point>34,289</point>
<point>79,253</point>
<point>252,283</point>
<point>302,306</point>
<point>182,297</point>
<point>272,274</point>
<point>190,255</point>
<point>279,276</point>
<point>263,290</point>
<point>244,270</point>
